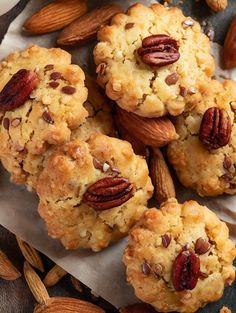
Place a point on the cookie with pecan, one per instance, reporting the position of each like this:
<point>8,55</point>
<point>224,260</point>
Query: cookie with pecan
<point>41,102</point>
<point>188,272</point>
<point>151,60</point>
<point>204,156</point>
<point>91,193</point>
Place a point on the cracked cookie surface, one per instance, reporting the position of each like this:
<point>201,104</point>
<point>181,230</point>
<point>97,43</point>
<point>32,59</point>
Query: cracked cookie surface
<point>209,172</point>
<point>53,109</point>
<point>139,88</point>
<point>150,261</point>
<point>66,177</point>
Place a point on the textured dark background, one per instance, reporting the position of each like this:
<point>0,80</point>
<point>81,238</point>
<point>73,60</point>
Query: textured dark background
<point>15,297</point>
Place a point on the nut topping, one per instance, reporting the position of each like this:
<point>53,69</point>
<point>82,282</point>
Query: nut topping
<point>202,246</point>
<point>129,26</point>
<point>172,79</point>
<point>159,50</point>
<point>108,192</point>
<point>146,268</point>
<point>186,270</point>
<point>16,122</point>
<point>69,90</point>
<point>166,239</point>
<point>47,117</point>
<point>56,76</point>
<point>215,129</point>
<point>18,90</point>
<point>227,163</point>
<point>6,123</point>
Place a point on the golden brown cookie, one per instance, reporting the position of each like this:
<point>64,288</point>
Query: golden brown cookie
<point>34,119</point>
<point>152,59</point>
<point>92,193</point>
<point>180,257</point>
<point>201,158</point>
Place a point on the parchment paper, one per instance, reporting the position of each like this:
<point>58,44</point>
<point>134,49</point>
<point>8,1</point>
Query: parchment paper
<point>103,272</point>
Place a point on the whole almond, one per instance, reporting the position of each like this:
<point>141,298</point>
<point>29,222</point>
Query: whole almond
<point>156,132</point>
<point>163,184</point>
<point>76,284</point>
<point>55,16</point>
<point>7,269</point>
<point>35,284</point>
<point>67,305</point>
<point>31,255</point>
<point>54,276</point>
<point>217,5</point>
<point>87,26</point>
<point>230,46</point>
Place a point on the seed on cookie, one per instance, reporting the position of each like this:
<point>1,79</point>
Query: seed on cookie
<point>47,117</point>
<point>15,122</point>
<point>166,239</point>
<point>183,91</point>
<point>53,84</point>
<point>202,246</point>
<point>227,163</point>
<point>172,79</point>
<point>55,76</point>
<point>6,123</point>
<point>129,26</point>
<point>146,268</point>
<point>69,90</point>
<point>48,67</point>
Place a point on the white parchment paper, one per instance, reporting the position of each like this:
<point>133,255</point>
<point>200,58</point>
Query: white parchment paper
<point>103,272</point>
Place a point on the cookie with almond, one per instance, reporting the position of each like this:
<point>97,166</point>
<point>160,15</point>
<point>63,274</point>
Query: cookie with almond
<point>91,193</point>
<point>151,60</point>
<point>204,155</point>
<point>180,257</point>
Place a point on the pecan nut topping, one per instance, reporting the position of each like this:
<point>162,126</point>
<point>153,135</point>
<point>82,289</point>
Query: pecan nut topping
<point>159,50</point>
<point>18,89</point>
<point>108,192</point>
<point>215,129</point>
<point>186,270</point>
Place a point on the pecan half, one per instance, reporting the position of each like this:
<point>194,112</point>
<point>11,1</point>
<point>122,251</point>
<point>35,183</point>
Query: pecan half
<point>159,50</point>
<point>108,193</point>
<point>215,129</point>
<point>186,270</point>
<point>18,89</point>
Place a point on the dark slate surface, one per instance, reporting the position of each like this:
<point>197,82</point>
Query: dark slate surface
<point>15,296</point>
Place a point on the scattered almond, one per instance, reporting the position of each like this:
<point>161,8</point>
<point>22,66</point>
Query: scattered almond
<point>67,305</point>
<point>7,269</point>
<point>87,26</point>
<point>156,132</point>
<point>55,16</point>
<point>163,184</point>
<point>54,276</point>
<point>230,46</point>
<point>35,284</point>
<point>76,284</point>
<point>31,255</point>
<point>217,5</point>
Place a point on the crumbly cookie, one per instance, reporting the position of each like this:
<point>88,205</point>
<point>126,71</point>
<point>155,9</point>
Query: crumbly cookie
<point>210,172</point>
<point>47,117</point>
<point>153,91</point>
<point>86,215</point>
<point>168,246</point>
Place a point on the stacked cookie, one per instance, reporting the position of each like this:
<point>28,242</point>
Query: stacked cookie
<point>58,138</point>
<point>156,64</point>
<point>92,187</point>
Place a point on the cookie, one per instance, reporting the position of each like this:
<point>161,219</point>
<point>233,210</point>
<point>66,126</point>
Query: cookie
<point>180,257</point>
<point>42,118</point>
<point>210,170</point>
<point>151,60</point>
<point>92,193</point>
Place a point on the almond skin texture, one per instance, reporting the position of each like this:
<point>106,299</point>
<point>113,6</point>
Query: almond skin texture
<point>35,284</point>
<point>161,178</point>
<point>217,5</point>
<point>230,46</point>
<point>55,16</point>
<point>87,26</point>
<point>155,132</point>
<point>31,255</point>
<point>7,269</point>
<point>67,305</point>
<point>54,276</point>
